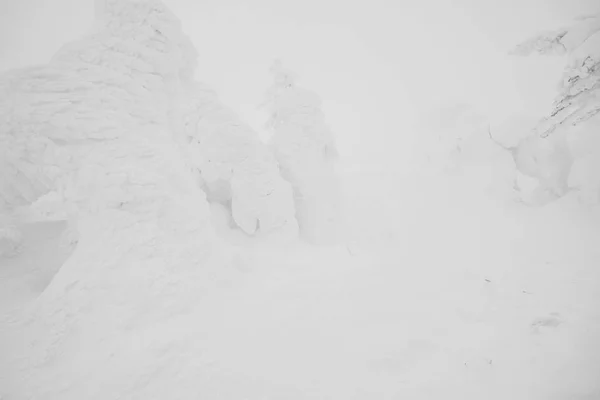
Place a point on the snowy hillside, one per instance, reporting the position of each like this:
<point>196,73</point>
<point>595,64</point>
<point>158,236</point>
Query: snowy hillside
<point>454,298</point>
<point>155,251</point>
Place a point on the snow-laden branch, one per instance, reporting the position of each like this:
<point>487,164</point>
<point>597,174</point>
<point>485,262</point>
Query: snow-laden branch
<point>578,99</point>
<point>547,43</point>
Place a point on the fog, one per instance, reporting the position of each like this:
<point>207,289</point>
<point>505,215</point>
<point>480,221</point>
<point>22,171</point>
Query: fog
<point>129,284</point>
<point>375,64</point>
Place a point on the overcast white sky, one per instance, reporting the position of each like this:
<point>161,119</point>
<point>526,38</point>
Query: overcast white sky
<point>375,63</point>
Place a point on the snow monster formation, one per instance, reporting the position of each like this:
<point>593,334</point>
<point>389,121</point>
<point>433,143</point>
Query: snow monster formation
<point>236,170</point>
<point>563,149</point>
<point>306,150</point>
<point>116,122</point>
<point>115,126</point>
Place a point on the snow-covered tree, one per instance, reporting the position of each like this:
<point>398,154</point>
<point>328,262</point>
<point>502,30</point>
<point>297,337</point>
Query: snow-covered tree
<point>541,167</point>
<point>91,124</point>
<point>579,98</point>
<point>97,127</point>
<point>306,151</point>
<point>73,126</point>
<point>450,136</point>
<point>236,169</point>
<point>559,141</point>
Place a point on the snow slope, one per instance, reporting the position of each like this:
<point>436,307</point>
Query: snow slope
<point>455,298</point>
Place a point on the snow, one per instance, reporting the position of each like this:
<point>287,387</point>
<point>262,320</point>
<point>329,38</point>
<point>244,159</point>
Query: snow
<point>578,98</point>
<point>560,152</point>
<point>504,306</point>
<point>577,101</point>
<point>134,279</point>
<point>233,161</point>
<point>305,149</point>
